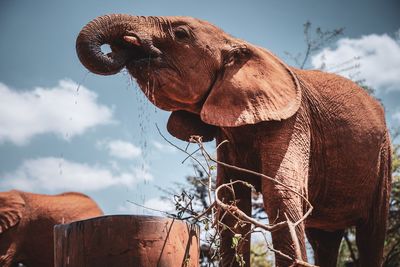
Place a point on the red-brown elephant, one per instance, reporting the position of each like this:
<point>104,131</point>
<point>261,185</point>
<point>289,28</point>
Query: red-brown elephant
<point>318,133</point>
<point>27,221</point>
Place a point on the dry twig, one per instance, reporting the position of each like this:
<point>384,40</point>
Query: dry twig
<point>218,206</point>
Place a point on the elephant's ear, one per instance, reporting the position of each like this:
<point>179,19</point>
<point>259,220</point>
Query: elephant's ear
<point>12,206</point>
<point>255,86</point>
<point>183,124</point>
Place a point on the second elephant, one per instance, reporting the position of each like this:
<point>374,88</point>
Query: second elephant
<point>27,221</point>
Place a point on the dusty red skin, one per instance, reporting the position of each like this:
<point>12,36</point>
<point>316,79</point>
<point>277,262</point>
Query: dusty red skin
<point>27,221</point>
<point>319,133</point>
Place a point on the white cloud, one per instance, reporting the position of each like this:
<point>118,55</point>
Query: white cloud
<point>159,204</point>
<point>151,207</point>
<point>396,116</point>
<point>378,57</point>
<point>167,148</point>
<point>54,174</point>
<point>63,110</point>
<point>120,149</point>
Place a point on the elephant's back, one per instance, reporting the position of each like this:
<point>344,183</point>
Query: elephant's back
<point>64,207</point>
<point>343,106</point>
<point>348,129</point>
<point>81,206</point>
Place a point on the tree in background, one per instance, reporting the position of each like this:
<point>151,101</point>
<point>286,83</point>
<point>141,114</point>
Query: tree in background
<point>314,42</point>
<point>392,245</point>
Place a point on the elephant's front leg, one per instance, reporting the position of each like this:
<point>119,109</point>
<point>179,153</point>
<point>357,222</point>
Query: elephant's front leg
<point>288,164</point>
<point>280,206</point>
<point>231,227</point>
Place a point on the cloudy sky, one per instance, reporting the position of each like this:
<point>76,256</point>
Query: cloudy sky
<point>64,129</point>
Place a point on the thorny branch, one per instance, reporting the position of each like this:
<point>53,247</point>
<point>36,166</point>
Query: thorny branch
<point>219,206</point>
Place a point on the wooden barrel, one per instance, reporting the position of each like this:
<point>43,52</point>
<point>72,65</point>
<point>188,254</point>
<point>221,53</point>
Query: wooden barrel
<point>126,240</point>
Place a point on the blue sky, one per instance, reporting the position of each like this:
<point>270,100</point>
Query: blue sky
<point>100,137</point>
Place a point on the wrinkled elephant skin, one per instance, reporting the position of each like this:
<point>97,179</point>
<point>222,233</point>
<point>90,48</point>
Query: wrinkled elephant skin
<point>318,133</point>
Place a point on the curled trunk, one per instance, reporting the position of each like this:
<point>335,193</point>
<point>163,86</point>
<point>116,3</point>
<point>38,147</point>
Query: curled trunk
<point>108,29</point>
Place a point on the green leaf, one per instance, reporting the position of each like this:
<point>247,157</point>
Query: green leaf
<point>235,240</point>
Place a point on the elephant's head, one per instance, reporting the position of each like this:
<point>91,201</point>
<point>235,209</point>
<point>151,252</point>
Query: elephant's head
<point>185,65</point>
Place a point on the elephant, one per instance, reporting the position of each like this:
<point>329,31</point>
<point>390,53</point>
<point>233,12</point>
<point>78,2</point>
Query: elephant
<point>27,221</point>
<point>316,133</point>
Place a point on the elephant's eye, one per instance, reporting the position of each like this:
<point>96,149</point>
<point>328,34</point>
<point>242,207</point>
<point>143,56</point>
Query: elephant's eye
<point>181,33</point>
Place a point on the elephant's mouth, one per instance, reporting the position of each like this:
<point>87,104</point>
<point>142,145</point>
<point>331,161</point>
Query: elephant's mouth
<point>139,54</point>
<point>147,64</point>
<point>139,51</point>
<point>153,73</point>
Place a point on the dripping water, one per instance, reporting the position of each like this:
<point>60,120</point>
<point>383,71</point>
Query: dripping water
<point>67,134</point>
<point>60,164</point>
<point>82,81</point>
<point>144,114</point>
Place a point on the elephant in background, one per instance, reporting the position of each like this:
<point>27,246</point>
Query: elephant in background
<point>318,133</point>
<point>27,221</point>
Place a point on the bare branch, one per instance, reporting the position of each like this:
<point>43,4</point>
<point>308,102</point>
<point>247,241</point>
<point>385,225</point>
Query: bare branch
<point>218,206</point>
